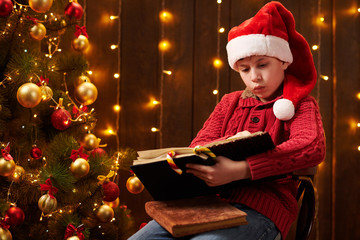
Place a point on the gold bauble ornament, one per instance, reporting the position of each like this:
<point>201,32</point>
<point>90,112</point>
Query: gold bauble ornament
<point>105,213</point>
<point>47,93</point>
<point>40,6</point>
<point>73,238</point>
<point>91,142</point>
<point>38,31</point>
<point>134,185</point>
<point>18,174</point>
<point>62,28</point>
<point>86,93</point>
<point>7,167</point>
<point>5,234</point>
<point>80,167</point>
<point>113,204</point>
<point>80,43</point>
<point>81,79</point>
<point>29,95</point>
<point>47,204</point>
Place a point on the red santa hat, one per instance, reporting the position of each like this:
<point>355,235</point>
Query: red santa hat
<point>271,32</point>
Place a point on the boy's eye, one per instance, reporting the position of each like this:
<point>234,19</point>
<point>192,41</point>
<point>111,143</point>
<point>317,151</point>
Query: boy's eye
<point>262,65</point>
<point>244,69</point>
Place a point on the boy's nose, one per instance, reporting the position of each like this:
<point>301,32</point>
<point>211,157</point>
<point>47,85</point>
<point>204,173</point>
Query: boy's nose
<point>255,76</point>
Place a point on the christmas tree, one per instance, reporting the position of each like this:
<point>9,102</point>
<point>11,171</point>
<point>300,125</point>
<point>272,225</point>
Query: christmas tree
<point>57,181</point>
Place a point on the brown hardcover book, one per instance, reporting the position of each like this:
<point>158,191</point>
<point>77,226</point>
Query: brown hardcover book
<point>195,215</point>
<point>163,183</point>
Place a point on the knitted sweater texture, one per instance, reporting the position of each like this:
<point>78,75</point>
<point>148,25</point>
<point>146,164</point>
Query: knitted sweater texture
<point>300,143</point>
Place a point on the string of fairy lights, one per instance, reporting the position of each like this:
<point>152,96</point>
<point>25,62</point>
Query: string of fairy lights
<point>117,47</point>
<point>164,45</point>
<point>357,11</point>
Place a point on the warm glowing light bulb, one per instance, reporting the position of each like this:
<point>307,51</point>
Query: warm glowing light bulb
<point>325,77</point>
<point>219,1</point>
<point>165,16</point>
<point>90,72</point>
<point>215,92</point>
<point>164,45</point>
<point>114,17</point>
<point>217,63</point>
<point>114,46</point>
<point>117,108</point>
<point>116,75</point>
<point>358,95</point>
<point>109,131</point>
<point>358,9</point>
<point>322,19</point>
<point>167,72</point>
<point>315,47</point>
<point>358,124</point>
<point>154,129</point>
<point>155,102</point>
<point>358,148</point>
<point>221,30</point>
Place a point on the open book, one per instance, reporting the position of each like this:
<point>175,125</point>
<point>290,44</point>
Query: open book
<point>195,215</point>
<point>163,183</point>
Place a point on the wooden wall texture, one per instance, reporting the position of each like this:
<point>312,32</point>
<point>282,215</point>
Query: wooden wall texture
<point>187,98</point>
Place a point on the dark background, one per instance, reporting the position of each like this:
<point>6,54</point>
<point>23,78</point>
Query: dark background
<point>187,98</point>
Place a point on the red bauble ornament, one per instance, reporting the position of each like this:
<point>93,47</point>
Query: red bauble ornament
<point>74,10</point>
<point>98,151</point>
<point>6,7</point>
<point>14,216</point>
<point>111,191</point>
<point>36,152</point>
<point>60,119</point>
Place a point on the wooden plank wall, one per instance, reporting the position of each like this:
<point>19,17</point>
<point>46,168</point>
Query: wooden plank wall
<point>187,98</point>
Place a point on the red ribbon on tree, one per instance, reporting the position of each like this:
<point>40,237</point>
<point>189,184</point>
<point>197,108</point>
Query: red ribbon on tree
<point>34,20</point>
<point>5,153</point>
<point>71,229</point>
<point>80,31</point>
<point>75,154</point>
<point>43,81</point>
<point>76,111</point>
<point>3,223</point>
<point>49,187</point>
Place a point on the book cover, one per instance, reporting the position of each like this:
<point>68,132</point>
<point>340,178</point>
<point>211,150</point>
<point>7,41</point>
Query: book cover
<point>163,183</point>
<point>195,215</point>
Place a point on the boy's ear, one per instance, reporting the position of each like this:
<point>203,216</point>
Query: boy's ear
<point>285,65</point>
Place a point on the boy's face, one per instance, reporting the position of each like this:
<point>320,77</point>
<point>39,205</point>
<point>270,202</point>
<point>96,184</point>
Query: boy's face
<point>262,75</point>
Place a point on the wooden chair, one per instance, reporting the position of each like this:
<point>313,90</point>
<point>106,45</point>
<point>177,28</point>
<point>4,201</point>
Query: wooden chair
<point>307,201</point>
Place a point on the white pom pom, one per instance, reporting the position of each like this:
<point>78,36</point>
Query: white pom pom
<point>284,109</point>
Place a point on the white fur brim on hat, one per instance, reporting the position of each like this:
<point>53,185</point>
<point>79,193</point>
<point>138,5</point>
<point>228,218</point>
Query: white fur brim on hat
<point>257,44</point>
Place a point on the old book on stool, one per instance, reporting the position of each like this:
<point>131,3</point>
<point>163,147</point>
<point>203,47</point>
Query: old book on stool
<point>195,215</point>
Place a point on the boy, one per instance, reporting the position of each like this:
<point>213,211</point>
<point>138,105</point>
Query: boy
<point>276,65</point>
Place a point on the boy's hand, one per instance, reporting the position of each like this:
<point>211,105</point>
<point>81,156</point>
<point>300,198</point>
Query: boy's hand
<point>224,171</point>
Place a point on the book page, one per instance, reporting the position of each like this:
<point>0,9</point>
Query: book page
<point>216,143</point>
<point>154,155</point>
<point>161,158</point>
<point>161,153</point>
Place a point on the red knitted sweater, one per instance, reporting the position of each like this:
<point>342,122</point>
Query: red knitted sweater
<point>300,143</point>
